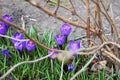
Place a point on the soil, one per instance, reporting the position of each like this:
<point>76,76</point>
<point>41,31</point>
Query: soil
<point>34,16</point>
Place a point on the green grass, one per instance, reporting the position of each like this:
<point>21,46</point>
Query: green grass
<point>46,69</point>
<point>62,2</point>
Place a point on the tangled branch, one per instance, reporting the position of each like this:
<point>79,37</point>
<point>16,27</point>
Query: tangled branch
<point>83,69</point>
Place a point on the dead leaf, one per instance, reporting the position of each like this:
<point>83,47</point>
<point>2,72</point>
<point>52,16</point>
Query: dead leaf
<point>98,65</point>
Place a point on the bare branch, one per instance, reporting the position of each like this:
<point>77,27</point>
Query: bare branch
<point>57,6</point>
<point>73,9</point>
<point>78,15</point>
<point>88,21</point>
<point>59,17</point>
<point>14,38</point>
<point>113,56</point>
<point>62,69</point>
<point>22,31</point>
<point>83,69</point>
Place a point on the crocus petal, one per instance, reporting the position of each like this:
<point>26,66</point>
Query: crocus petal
<point>8,18</point>
<point>59,39</point>
<point>5,52</point>
<point>19,46</point>
<point>53,56</point>
<point>73,45</point>
<point>17,36</point>
<point>2,28</point>
<point>30,46</point>
<point>70,67</point>
<point>65,29</point>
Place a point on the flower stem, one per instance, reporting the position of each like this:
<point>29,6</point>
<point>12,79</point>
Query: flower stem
<point>60,47</point>
<point>66,39</point>
<point>21,53</point>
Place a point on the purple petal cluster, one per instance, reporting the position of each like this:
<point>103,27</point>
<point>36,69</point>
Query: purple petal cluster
<point>2,28</point>
<point>20,45</point>
<point>17,44</point>
<point>8,18</point>
<point>59,39</point>
<point>30,46</point>
<point>53,56</point>
<point>5,52</point>
<point>74,45</point>
<point>70,67</point>
<point>17,35</point>
<point>65,29</point>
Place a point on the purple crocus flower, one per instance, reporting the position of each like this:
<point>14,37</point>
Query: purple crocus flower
<point>17,36</point>
<point>5,52</point>
<point>19,46</point>
<point>30,45</point>
<point>73,45</point>
<point>8,18</point>
<point>2,28</point>
<point>53,56</point>
<point>70,67</point>
<point>65,29</point>
<point>59,39</point>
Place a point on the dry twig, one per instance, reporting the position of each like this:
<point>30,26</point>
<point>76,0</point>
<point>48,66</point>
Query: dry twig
<point>62,69</point>
<point>83,69</point>
<point>57,6</point>
<point>13,38</point>
<point>58,16</point>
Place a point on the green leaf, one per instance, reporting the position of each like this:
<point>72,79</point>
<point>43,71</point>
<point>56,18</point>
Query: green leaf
<point>33,31</point>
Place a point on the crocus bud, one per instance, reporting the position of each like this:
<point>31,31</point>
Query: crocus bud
<point>70,67</point>
<point>73,45</point>
<point>30,46</point>
<point>5,52</point>
<point>65,29</point>
<point>53,56</point>
<point>19,46</point>
<point>2,28</point>
<point>8,18</point>
<point>17,36</point>
<point>59,39</point>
